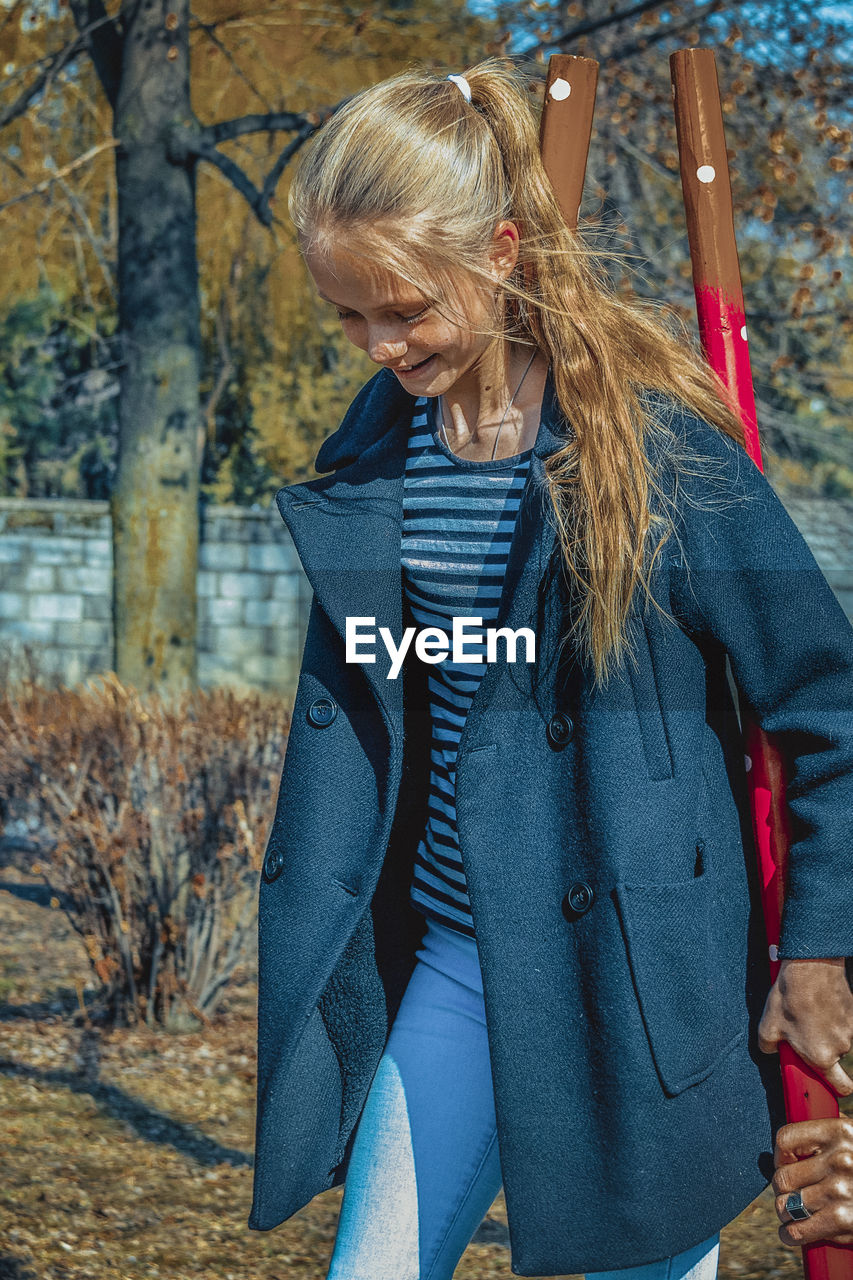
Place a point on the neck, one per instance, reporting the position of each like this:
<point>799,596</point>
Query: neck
<point>490,394</point>
<point>480,396</point>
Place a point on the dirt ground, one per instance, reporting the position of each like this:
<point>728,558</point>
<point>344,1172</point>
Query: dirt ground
<point>126,1154</point>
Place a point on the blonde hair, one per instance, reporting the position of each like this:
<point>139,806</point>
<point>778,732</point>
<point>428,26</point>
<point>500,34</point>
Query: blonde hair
<point>424,177</point>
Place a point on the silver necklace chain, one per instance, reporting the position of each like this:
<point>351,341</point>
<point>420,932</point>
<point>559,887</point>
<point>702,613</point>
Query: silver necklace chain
<point>442,430</point>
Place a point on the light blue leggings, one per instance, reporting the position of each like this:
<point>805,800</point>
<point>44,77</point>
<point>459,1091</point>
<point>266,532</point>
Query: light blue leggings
<point>424,1168</point>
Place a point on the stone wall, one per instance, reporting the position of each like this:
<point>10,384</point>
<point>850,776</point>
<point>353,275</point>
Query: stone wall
<point>253,598</point>
<point>56,584</point>
<point>827,526</point>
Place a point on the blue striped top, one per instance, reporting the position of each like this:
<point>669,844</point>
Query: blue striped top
<point>458,521</point>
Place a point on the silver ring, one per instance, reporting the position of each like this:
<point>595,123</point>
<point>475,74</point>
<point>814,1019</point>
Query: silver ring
<point>795,1207</point>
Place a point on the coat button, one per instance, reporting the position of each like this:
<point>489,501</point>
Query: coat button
<point>273,864</point>
<point>560,730</point>
<point>578,900</point>
<point>322,712</point>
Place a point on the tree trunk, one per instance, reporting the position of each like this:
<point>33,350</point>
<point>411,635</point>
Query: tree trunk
<point>155,498</point>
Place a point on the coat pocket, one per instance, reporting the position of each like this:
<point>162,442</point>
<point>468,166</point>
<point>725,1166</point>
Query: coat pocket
<point>685,952</point>
<point>649,712</point>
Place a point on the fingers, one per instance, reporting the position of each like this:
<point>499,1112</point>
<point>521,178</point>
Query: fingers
<point>826,1219</point>
<point>825,1058</point>
<point>767,1041</point>
<point>794,1177</point>
<point>831,1217</point>
<point>827,1064</point>
<point>824,1180</point>
<point>806,1138</point>
<point>810,1006</point>
<point>839,1079</point>
<point>769,1028</point>
<point>812,1199</point>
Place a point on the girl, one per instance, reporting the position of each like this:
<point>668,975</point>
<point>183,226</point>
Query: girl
<point>508,922</point>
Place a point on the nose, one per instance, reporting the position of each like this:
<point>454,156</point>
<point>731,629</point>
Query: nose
<point>381,348</point>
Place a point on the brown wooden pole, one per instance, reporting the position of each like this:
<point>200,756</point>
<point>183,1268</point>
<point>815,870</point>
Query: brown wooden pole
<point>711,231</point>
<point>566,127</point>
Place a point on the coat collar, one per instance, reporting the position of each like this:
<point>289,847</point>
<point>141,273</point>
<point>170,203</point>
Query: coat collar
<point>347,526</point>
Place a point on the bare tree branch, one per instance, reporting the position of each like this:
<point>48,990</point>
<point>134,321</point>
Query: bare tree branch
<point>183,145</point>
<point>207,428</point>
<point>617,140</point>
<point>84,222</point>
<point>52,66</point>
<point>81,266</point>
<point>271,180</point>
<point>61,173</point>
<point>209,29</point>
<point>201,143</point>
<point>563,39</point>
<point>89,35</point>
<point>609,20</point>
<point>665,32</point>
<point>837,313</point>
<point>12,10</point>
<point>104,42</point>
<point>14,166</point>
<point>793,430</point>
<point>287,121</point>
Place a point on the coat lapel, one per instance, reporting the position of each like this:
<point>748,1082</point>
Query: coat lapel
<point>347,527</point>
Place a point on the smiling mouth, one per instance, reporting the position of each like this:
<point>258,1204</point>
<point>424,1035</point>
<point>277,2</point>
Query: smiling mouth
<point>409,368</point>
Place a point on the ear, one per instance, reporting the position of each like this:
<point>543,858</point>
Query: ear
<point>503,253</point>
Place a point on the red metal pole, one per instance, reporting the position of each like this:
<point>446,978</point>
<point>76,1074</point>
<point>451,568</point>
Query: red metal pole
<point>722,326</point>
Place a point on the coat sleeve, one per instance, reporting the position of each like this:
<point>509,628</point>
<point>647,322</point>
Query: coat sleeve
<point>743,575</point>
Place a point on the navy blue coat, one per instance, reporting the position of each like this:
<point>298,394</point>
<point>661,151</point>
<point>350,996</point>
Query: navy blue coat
<point>635,1112</point>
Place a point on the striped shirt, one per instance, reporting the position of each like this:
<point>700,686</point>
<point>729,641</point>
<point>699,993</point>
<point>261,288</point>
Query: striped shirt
<point>458,520</point>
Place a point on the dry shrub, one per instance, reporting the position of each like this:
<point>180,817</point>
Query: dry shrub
<point>154,817</point>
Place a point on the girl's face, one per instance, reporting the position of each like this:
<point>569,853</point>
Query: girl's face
<point>392,321</point>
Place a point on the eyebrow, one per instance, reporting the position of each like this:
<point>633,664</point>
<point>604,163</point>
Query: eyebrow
<point>388,306</point>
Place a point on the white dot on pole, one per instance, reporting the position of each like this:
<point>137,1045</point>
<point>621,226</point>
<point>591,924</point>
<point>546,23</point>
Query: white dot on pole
<point>774,952</point>
<point>706,173</point>
<point>560,89</point>
<point>747,763</point>
<point>743,333</point>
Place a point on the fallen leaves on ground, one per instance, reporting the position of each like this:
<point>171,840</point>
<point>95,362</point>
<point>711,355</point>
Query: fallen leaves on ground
<point>128,1151</point>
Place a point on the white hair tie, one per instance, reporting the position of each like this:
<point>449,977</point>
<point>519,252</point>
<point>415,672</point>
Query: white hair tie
<point>463,86</point>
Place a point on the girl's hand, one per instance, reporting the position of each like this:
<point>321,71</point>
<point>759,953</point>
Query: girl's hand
<point>815,1157</point>
<point>811,1006</point>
